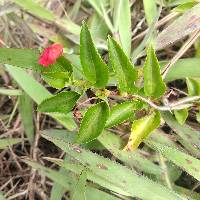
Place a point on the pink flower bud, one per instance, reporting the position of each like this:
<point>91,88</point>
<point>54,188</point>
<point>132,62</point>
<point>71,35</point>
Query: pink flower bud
<point>50,54</point>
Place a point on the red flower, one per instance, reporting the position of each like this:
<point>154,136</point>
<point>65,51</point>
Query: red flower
<point>50,54</point>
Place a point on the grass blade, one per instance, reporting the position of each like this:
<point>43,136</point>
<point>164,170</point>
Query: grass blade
<point>10,92</point>
<point>184,68</point>
<point>26,113</point>
<point>121,179</point>
<point>122,21</point>
<point>150,10</point>
<point>180,28</point>
<point>34,8</point>
<point>67,181</point>
<point>188,163</point>
<point>80,187</point>
<point>135,159</point>
<point>187,136</point>
<point>8,142</point>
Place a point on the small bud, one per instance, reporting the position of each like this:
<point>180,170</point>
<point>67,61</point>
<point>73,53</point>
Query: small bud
<point>50,54</point>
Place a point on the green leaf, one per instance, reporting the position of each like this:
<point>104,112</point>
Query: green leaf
<point>193,85</point>
<point>93,123</point>
<point>111,175</point>
<point>198,117</point>
<point>184,7</point>
<point>153,83</point>
<point>141,129</point>
<point>59,103</point>
<point>197,48</point>
<point>65,65</point>
<point>122,23</point>
<point>181,115</point>
<point>56,79</point>
<point>8,142</point>
<point>80,188</point>
<point>150,10</point>
<point>186,135</point>
<point>124,70</point>
<point>94,68</point>
<point>120,113</point>
<point>179,2</point>
<point>54,82</point>
<point>188,163</point>
<point>61,74</point>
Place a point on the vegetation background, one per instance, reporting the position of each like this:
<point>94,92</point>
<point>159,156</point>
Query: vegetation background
<point>38,158</point>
